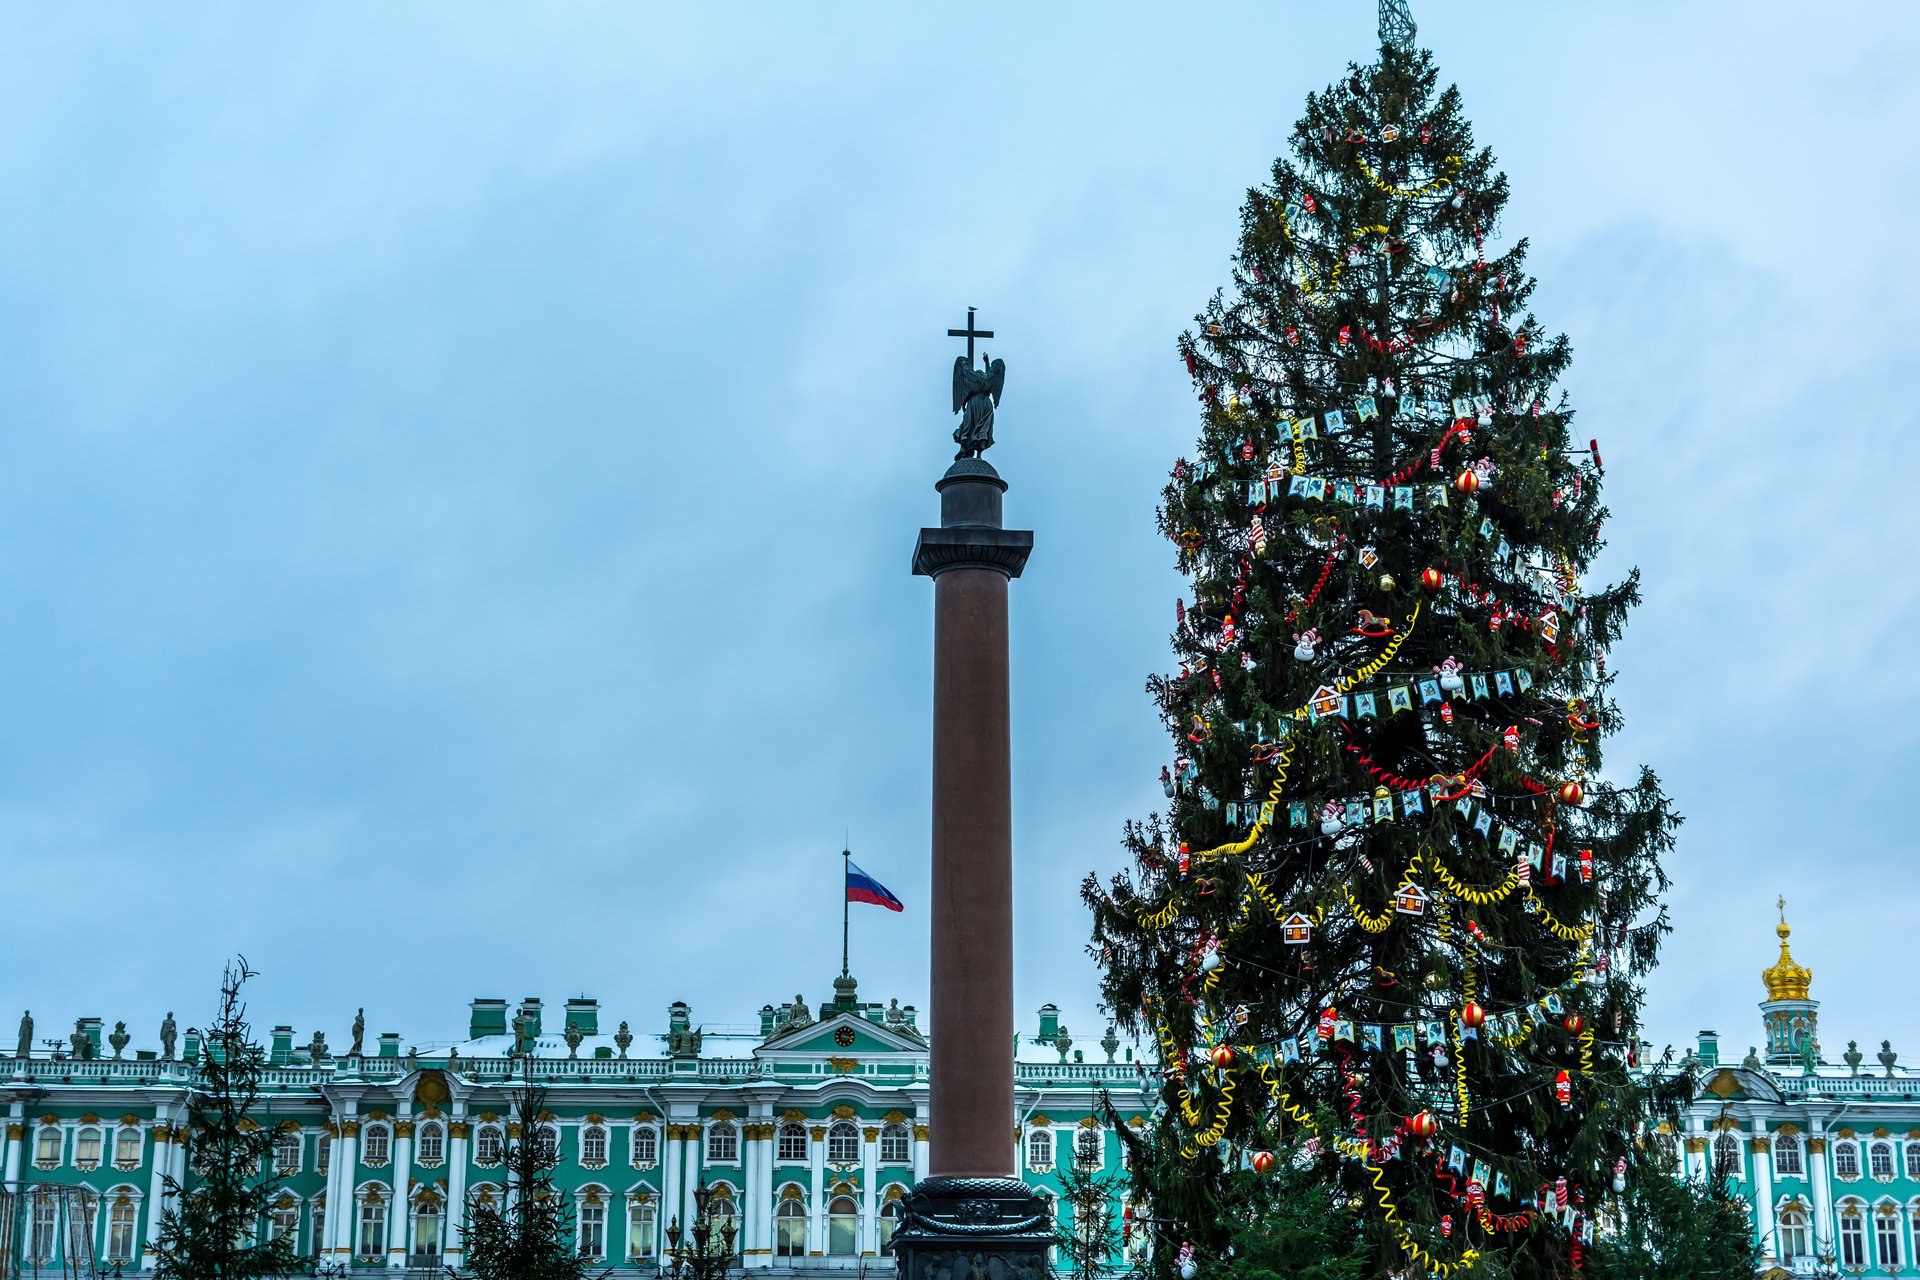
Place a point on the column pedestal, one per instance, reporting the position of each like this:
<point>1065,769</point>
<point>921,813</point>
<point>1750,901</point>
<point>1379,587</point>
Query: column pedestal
<point>971,1219</point>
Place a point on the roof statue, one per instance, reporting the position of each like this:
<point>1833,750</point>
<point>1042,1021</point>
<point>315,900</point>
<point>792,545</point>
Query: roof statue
<point>1786,979</point>
<point>1396,24</point>
<point>975,393</point>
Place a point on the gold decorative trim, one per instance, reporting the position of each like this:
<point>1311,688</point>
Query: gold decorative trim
<point>722,1114</point>
<point>894,1117</point>
<point>870,1135</point>
<point>376,1114</point>
<point>844,1066</point>
<point>791,1116</point>
<point>843,1112</point>
<point>489,1116</point>
<point>1762,1144</point>
<point>1040,1121</point>
<point>349,1128</point>
<point>459,1129</point>
<point>1882,1132</point>
<point>921,1133</point>
<point>818,1133</point>
<point>1843,1133</point>
<point>1089,1123</point>
<point>89,1118</point>
<point>15,1132</point>
<point>1789,1129</point>
<point>1816,1146</point>
<point>1696,1145</point>
<point>403,1128</point>
<point>1726,1124</point>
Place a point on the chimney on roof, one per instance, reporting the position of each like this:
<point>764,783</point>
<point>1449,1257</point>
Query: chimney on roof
<point>1049,1023</point>
<point>486,1018</point>
<point>530,1008</point>
<point>1709,1042</point>
<point>584,1014</point>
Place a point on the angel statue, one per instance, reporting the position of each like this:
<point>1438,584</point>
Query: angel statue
<point>975,393</point>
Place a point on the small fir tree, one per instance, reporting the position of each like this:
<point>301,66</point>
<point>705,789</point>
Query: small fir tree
<point>1088,1238</point>
<point>217,1224</point>
<point>531,1235</point>
<point>1395,908</point>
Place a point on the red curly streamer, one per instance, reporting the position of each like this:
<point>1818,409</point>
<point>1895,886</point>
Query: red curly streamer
<point>1319,585</point>
<point>1398,782</point>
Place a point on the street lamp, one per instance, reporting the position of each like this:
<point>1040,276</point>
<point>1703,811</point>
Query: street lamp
<point>699,1258</point>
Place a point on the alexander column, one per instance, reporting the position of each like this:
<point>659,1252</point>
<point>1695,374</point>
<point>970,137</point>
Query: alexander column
<point>971,1219</point>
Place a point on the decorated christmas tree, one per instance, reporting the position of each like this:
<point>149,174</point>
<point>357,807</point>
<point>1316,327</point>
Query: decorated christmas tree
<point>1388,934</point>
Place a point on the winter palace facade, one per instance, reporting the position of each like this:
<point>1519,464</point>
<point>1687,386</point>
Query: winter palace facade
<point>807,1131</point>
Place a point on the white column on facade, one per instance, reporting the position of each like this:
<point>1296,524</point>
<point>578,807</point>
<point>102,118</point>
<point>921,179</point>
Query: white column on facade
<point>340,1206</point>
<point>670,1164</point>
<point>691,1181</point>
<point>1762,1165</point>
<point>456,1208</point>
<point>869,1190</point>
<point>400,1216</point>
<point>817,1192</point>
<point>920,1148</point>
<point>752,1157</point>
<point>157,1135</point>
<point>16,1138</point>
<point>1824,1224</point>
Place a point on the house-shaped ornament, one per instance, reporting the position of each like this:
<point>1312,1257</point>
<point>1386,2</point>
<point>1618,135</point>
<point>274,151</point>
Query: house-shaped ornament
<point>1297,929</point>
<point>1325,701</point>
<point>1409,899</point>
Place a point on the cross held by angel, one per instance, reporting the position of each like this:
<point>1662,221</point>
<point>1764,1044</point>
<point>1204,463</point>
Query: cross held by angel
<point>976,392</point>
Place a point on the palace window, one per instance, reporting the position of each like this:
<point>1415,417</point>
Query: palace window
<point>639,1228</point>
<point>430,1147</point>
<point>286,1153</point>
<point>46,1227</point>
<point>372,1244</point>
<point>47,1146</point>
<point>890,1214</point>
<point>319,1220</point>
<point>322,1154</point>
<point>1794,1239</point>
<point>1880,1161</point>
<point>1786,1157</point>
<point>86,1148</point>
<point>284,1218</point>
<point>843,1144</point>
<point>723,1142</point>
<point>591,1233</point>
<point>546,1143</point>
<point>1846,1160</point>
<point>1040,1150</point>
<point>593,1146</point>
<point>720,1210</point>
<point>1726,1156</point>
<point>1886,1237</point>
<point>843,1227</point>
<point>1853,1239</point>
<point>1086,1148</point>
<point>378,1145</point>
<point>644,1147</point>
<point>1913,1161</point>
<point>790,1230</point>
<point>487,1145</point>
<point>126,1147</point>
<point>121,1219</point>
<point>896,1145</point>
<point>793,1143</point>
<point>426,1227</point>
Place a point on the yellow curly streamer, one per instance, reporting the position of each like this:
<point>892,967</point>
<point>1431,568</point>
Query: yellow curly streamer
<point>1478,897</point>
<point>1372,924</point>
<point>1564,932</point>
<point>1451,163</point>
<point>1459,1069</point>
<point>1159,919</point>
<point>1340,259</point>
<point>1586,1051</point>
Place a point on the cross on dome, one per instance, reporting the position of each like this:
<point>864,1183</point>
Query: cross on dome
<point>1786,979</point>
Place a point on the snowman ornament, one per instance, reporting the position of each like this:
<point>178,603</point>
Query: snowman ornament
<point>1449,673</point>
<point>1305,643</point>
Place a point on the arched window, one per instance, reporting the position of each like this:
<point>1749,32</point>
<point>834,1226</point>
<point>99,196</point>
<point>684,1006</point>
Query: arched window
<point>1846,1160</point>
<point>1913,1161</point>
<point>430,1144</point>
<point>426,1229</point>
<point>726,1232</point>
<point>723,1142</point>
<point>896,1145</point>
<point>1726,1156</point>
<point>1853,1237</point>
<point>890,1214</point>
<point>639,1227</point>
<point>127,1144</point>
<point>319,1222</point>
<point>546,1143</point>
<point>371,1244</point>
<point>377,1144</point>
<point>590,1232</point>
<point>644,1148</point>
<point>790,1229</point>
<point>87,1145</point>
<point>46,1226</point>
<point>488,1143</point>
<point>1786,1157</point>
<point>284,1219</point>
<point>322,1154</point>
<point>843,1143</point>
<point>286,1152</point>
<point>1880,1161</point>
<point>843,1227</point>
<point>47,1147</point>
<point>1886,1237</point>
<point>1086,1148</point>
<point>793,1143</point>
<point>593,1146</point>
<point>1040,1150</point>
<point>1794,1236</point>
<point>122,1217</point>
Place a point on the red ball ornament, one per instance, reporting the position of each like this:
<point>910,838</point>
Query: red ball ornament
<point>1223,1056</point>
<point>1432,579</point>
<point>1472,1015</point>
<point>1467,481</point>
<point>1571,792</point>
<point>1575,1023</point>
<point>1423,1125</point>
<point>1263,1162</point>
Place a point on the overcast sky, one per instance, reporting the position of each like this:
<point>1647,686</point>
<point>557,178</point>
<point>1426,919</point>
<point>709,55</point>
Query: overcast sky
<point>458,468</point>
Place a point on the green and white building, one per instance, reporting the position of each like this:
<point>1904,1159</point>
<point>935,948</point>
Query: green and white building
<point>807,1128</point>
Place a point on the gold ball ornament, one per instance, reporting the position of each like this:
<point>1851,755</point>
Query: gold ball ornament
<point>1386,582</point>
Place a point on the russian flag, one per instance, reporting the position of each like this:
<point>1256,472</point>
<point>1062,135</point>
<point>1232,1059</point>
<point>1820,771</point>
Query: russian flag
<point>862,887</point>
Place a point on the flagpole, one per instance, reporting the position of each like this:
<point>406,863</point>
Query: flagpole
<point>846,860</point>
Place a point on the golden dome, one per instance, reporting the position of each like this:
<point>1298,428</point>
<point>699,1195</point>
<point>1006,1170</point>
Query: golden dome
<point>1786,980</point>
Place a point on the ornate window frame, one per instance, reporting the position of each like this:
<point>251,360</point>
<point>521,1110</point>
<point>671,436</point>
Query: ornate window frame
<point>368,1133</point>
<point>436,1155</point>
